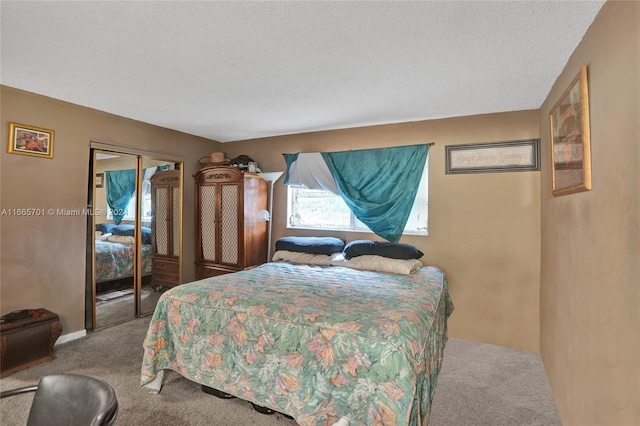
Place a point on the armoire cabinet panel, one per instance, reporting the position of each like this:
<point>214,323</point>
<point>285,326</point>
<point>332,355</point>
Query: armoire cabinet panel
<point>229,236</point>
<point>165,228</point>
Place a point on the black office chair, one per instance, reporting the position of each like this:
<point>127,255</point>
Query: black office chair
<point>70,399</point>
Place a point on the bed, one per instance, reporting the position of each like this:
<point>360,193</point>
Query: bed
<point>321,343</point>
<point>114,260</point>
<point>115,247</point>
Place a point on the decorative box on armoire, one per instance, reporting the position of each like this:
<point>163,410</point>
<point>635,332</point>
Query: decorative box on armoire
<point>230,237</point>
<point>27,338</point>
<point>165,228</point>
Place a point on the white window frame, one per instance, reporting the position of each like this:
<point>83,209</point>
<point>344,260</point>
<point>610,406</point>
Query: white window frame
<point>418,225</point>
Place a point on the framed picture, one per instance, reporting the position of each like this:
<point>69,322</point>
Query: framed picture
<point>99,180</point>
<point>570,141</point>
<point>29,140</point>
<point>507,156</point>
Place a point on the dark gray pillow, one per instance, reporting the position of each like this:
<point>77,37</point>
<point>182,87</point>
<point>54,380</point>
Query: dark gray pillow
<point>146,235</point>
<point>312,245</point>
<point>381,248</point>
<point>127,231</point>
<point>105,228</point>
<point>124,230</point>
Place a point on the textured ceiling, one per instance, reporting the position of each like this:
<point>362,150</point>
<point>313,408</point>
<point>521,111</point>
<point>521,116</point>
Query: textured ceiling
<point>239,70</point>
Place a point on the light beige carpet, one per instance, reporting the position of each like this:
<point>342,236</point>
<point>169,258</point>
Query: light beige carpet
<point>479,385</point>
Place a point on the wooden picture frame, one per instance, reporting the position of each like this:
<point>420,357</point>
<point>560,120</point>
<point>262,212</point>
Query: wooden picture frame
<point>30,140</point>
<point>491,157</point>
<point>570,139</point>
<point>99,180</point>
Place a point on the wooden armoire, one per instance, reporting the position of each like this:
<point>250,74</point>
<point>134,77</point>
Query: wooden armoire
<point>165,228</point>
<point>230,236</point>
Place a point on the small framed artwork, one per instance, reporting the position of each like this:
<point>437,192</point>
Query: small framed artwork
<point>99,180</point>
<point>570,139</point>
<point>491,157</point>
<point>29,140</point>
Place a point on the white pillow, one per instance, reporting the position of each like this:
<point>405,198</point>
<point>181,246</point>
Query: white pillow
<point>305,258</point>
<point>122,239</point>
<point>380,264</point>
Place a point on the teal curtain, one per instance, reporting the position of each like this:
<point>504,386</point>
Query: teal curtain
<point>121,184</point>
<point>379,185</point>
<point>289,159</point>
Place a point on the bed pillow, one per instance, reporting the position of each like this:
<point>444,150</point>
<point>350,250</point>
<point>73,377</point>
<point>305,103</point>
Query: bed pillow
<point>105,228</point>
<point>146,235</point>
<point>381,248</point>
<point>312,245</point>
<point>305,258</point>
<point>123,230</point>
<point>380,264</point>
<point>122,239</point>
<point>128,231</point>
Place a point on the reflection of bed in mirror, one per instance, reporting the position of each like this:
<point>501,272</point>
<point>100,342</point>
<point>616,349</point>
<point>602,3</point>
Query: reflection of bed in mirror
<point>115,247</point>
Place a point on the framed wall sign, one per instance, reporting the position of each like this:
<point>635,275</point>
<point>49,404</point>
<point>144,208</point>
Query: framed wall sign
<point>507,156</point>
<point>99,180</point>
<point>570,140</point>
<point>29,140</point>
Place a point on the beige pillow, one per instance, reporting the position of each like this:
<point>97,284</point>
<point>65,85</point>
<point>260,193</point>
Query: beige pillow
<point>381,264</point>
<point>122,239</point>
<point>304,258</point>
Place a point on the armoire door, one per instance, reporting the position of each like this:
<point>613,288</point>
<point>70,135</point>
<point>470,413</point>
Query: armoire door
<point>220,223</point>
<point>230,216</point>
<point>208,224</point>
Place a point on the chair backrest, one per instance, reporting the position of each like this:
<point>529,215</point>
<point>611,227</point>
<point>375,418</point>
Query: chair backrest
<point>71,399</point>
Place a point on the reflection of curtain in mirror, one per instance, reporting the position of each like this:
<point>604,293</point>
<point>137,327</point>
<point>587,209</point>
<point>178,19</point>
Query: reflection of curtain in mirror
<point>146,180</point>
<point>121,184</point>
<point>146,190</point>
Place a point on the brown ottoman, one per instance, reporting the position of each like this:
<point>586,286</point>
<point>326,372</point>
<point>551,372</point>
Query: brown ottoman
<point>27,340</point>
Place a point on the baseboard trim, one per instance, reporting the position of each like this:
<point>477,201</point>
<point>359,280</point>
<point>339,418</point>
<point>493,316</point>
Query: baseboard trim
<point>71,336</point>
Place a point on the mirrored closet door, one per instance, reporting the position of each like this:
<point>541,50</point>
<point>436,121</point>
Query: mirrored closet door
<point>137,243</point>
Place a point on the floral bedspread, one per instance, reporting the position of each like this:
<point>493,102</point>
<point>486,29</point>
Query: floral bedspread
<point>315,342</point>
<point>115,260</point>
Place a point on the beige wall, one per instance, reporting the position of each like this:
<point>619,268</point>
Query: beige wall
<point>484,229</point>
<point>43,258</point>
<point>590,242</point>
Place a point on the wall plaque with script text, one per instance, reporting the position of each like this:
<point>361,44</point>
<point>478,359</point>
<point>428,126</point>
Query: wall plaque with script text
<point>509,156</point>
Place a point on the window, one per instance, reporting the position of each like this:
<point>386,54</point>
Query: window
<point>318,209</point>
<point>130,214</point>
<point>131,209</point>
